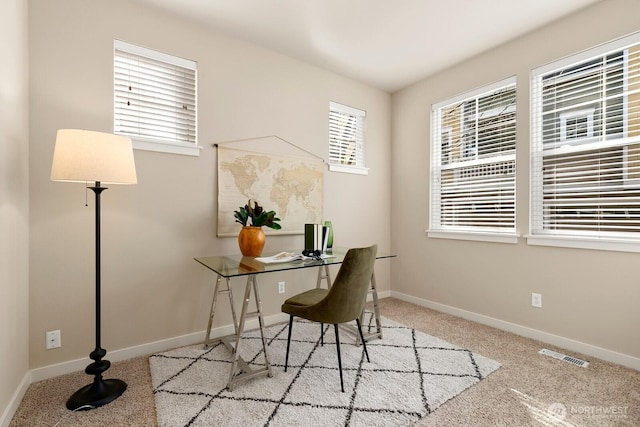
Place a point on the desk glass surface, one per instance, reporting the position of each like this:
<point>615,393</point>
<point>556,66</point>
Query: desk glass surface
<point>238,265</point>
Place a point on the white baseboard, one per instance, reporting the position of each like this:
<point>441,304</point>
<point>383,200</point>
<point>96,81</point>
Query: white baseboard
<point>12,407</point>
<point>51,371</point>
<point>45,372</point>
<point>562,342</point>
<point>385,294</point>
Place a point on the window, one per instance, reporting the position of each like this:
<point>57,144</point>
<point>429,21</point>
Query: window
<point>155,99</point>
<point>585,148</point>
<point>473,164</point>
<point>346,139</point>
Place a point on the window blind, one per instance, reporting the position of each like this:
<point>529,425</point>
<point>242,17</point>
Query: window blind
<point>586,144</point>
<point>154,95</point>
<point>346,135</point>
<point>473,164</point>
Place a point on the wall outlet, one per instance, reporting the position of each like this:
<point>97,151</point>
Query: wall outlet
<point>536,300</point>
<point>53,339</point>
<point>281,287</point>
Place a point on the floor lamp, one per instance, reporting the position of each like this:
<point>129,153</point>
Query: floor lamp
<point>87,156</point>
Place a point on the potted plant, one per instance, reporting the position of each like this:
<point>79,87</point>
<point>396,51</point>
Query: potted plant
<point>253,217</point>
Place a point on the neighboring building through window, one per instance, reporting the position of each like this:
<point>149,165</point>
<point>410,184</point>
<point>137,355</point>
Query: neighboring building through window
<point>346,139</point>
<point>155,99</point>
<point>473,163</point>
<point>585,138</point>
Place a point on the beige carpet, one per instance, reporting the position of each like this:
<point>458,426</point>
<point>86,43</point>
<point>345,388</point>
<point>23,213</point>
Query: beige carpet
<point>520,393</point>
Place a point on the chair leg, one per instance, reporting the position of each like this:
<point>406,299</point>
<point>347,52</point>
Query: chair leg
<point>364,343</point>
<point>321,333</point>
<point>335,326</point>
<point>286,360</point>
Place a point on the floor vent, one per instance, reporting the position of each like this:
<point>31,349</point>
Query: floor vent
<point>564,357</point>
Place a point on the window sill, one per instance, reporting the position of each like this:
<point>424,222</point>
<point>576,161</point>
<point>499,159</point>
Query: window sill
<point>511,238</point>
<point>577,242</point>
<point>348,169</point>
<point>166,147</point>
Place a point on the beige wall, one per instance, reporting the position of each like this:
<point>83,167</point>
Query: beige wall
<point>152,288</point>
<point>588,296</point>
<point>14,201</point>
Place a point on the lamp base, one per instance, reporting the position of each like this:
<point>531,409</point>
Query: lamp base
<point>99,393</point>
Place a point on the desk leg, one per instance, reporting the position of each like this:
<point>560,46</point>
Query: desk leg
<point>376,309</point>
<point>233,307</point>
<point>218,290</point>
<point>207,338</point>
<point>326,276</point>
<point>261,321</point>
<point>238,361</point>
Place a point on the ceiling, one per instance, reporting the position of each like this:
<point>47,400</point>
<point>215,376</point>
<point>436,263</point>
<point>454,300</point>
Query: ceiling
<point>384,43</point>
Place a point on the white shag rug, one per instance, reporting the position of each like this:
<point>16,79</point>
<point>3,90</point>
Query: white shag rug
<point>409,376</point>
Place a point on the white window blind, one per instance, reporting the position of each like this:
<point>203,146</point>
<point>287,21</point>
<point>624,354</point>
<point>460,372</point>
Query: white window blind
<point>154,97</point>
<point>346,138</point>
<point>473,163</point>
<point>585,137</point>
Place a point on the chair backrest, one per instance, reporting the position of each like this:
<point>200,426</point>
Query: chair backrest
<point>346,298</point>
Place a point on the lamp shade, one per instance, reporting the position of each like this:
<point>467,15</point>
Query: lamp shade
<point>82,155</point>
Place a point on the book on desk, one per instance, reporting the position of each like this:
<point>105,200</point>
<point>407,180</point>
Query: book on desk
<point>290,256</point>
<point>316,237</point>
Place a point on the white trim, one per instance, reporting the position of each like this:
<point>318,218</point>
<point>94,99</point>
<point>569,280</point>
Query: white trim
<point>45,372</point>
<point>584,242</point>
<point>335,106</point>
<point>51,371</point>
<point>154,54</point>
<point>566,343</point>
<point>16,399</point>
<point>478,237</point>
<point>166,147</point>
<point>335,167</point>
<point>587,54</point>
<point>475,93</point>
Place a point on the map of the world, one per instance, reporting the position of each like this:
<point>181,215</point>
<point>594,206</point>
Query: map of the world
<point>291,186</point>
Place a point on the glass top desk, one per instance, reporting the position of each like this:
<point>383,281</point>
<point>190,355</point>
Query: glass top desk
<point>229,266</point>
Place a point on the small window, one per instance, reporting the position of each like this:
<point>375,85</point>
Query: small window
<point>473,165</point>
<point>346,139</point>
<point>155,99</point>
<point>576,125</point>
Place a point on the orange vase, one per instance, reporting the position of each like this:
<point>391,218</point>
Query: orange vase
<point>251,241</point>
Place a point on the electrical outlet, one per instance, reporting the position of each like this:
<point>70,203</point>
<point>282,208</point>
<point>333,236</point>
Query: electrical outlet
<point>53,339</point>
<point>536,300</point>
<point>281,287</point>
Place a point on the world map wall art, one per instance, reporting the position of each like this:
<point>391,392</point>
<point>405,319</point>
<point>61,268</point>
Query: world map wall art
<point>289,185</point>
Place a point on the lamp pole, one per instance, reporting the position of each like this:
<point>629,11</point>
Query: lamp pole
<point>101,391</point>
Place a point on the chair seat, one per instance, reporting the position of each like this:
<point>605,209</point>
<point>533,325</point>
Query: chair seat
<point>310,297</point>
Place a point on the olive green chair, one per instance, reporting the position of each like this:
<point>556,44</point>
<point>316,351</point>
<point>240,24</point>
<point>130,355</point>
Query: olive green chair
<point>342,303</point>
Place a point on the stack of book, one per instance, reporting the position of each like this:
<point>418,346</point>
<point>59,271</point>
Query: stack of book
<point>316,237</point>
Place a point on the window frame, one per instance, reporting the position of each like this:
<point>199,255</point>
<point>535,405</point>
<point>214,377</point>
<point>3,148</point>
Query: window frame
<point>359,115</point>
<point>148,142</point>
<point>483,162</point>
<point>585,239</point>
